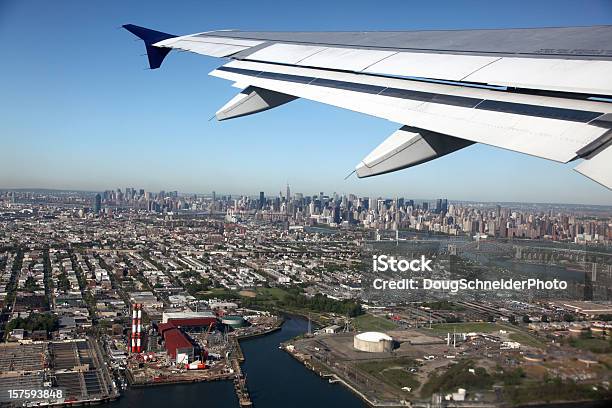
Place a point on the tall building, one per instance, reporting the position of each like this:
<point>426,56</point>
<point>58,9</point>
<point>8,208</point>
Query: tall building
<point>262,200</point>
<point>336,214</point>
<point>97,204</point>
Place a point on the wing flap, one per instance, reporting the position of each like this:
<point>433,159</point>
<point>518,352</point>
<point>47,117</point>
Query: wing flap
<point>598,168</point>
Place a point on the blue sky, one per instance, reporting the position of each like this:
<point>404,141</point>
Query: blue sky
<point>79,111</point>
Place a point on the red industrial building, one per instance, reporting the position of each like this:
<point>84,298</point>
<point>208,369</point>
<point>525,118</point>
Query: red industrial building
<point>177,342</point>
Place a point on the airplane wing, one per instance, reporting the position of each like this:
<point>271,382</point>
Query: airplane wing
<point>545,92</point>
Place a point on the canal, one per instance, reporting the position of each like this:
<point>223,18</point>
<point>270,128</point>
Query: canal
<point>274,379</point>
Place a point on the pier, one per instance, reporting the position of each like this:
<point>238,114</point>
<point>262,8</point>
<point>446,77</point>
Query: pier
<point>237,357</point>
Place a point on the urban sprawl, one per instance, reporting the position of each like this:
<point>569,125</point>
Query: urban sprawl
<point>126,288</point>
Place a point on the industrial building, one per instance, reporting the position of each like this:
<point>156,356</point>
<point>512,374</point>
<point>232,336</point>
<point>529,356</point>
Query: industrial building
<point>194,324</point>
<point>166,316</point>
<point>586,308</point>
<point>76,367</point>
<point>235,322</point>
<point>373,342</point>
<point>178,344</point>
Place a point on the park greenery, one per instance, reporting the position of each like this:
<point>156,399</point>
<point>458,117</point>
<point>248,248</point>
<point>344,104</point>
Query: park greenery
<point>36,321</point>
<point>322,303</point>
<point>293,299</point>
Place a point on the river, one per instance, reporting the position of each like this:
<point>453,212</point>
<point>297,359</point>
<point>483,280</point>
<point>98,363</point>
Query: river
<point>274,379</point>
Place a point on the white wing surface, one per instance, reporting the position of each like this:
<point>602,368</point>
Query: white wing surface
<point>546,92</point>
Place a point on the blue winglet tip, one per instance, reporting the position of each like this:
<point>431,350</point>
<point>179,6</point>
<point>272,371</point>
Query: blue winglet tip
<point>156,55</point>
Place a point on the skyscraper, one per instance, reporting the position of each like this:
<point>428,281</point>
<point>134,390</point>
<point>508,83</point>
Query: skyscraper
<point>438,208</point>
<point>336,214</point>
<point>262,200</point>
<point>97,204</point>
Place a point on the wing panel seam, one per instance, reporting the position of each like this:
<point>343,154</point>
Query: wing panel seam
<point>571,115</point>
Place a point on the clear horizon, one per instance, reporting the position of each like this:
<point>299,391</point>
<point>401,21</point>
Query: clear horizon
<point>80,112</point>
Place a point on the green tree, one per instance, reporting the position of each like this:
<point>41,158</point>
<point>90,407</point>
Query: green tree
<point>30,284</point>
<point>36,321</point>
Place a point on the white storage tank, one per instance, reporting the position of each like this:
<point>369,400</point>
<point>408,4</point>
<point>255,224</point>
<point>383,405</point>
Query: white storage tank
<point>373,342</point>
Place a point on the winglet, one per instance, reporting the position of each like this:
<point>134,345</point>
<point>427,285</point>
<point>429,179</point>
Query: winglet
<point>155,54</point>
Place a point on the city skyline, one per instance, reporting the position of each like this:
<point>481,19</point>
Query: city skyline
<point>131,294</point>
<point>99,120</point>
<point>255,193</point>
<point>441,216</point>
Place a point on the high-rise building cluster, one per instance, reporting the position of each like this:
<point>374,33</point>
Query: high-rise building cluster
<point>558,223</point>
